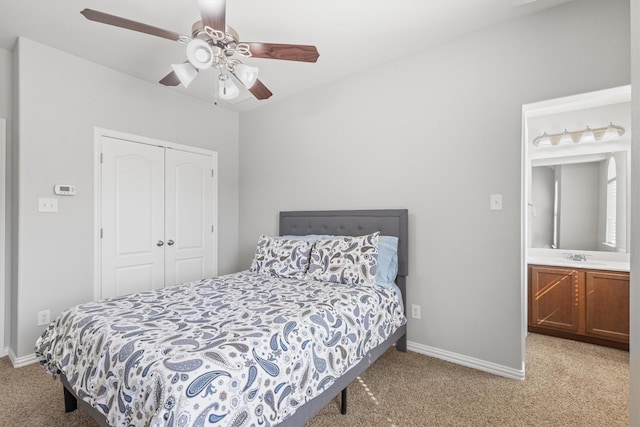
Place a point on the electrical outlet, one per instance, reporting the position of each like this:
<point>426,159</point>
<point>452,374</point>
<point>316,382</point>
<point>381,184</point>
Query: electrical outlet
<point>47,205</point>
<point>44,317</point>
<point>415,311</point>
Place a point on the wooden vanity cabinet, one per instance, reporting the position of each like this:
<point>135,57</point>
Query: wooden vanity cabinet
<point>580,304</point>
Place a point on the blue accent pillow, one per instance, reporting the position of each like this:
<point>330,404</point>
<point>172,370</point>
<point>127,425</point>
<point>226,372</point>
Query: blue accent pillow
<point>387,261</point>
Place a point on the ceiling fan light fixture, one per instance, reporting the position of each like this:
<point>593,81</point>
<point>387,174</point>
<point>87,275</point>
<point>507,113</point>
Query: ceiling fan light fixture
<point>246,74</point>
<point>226,88</point>
<point>213,44</point>
<point>186,73</point>
<point>200,54</point>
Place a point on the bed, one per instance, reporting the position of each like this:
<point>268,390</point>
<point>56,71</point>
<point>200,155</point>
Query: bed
<point>242,349</point>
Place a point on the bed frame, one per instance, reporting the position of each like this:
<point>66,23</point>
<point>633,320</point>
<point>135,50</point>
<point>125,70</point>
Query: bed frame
<point>392,222</point>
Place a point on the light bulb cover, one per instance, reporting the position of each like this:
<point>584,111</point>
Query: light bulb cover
<point>587,136</point>
<point>565,138</point>
<point>611,133</point>
<point>226,88</point>
<point>199,54</point>
<point>246,74</point>
<point>186,73</point>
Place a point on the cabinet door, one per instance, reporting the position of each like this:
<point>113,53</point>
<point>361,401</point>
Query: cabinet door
<point>607,305</point>
<point>555,298</point>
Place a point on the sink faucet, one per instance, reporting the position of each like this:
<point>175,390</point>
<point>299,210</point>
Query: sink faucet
<point>576,257</point>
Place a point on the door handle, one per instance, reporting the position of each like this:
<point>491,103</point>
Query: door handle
<point>170,242</point>
<point>160,243</point>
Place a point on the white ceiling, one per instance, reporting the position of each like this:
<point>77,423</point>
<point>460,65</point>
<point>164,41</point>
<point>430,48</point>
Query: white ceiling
<point>350,35</point>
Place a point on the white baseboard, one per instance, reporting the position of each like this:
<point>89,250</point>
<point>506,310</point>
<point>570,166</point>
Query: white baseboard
<point>460,359</point>
<point>4,352</point>
<point>19,362</point>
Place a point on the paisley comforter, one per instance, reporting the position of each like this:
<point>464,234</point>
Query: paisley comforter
<point>239,350</point>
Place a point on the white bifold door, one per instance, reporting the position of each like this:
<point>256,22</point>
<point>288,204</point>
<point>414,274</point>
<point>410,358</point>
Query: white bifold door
<point>157,217</point>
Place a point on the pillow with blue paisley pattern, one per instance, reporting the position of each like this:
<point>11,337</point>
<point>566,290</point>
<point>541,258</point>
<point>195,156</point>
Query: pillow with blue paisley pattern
<point>281,257</point>
<point>348,260</point>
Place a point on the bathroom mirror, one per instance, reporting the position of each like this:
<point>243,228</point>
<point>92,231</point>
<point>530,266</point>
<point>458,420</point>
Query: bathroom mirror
<point>580,202</point>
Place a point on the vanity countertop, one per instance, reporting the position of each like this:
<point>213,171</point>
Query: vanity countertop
<point>594,264</point>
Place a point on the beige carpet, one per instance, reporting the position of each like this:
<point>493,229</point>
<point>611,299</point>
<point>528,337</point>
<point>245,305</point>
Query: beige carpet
<point>568,384</point>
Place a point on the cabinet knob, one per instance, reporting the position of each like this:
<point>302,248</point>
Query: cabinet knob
<point>160,243</point>
<point>170,242</point>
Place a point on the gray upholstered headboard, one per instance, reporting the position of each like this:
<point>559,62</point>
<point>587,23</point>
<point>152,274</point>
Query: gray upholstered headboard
<point>390,222</point>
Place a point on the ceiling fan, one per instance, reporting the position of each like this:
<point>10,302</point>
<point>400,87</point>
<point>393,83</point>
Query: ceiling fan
<point>213,44</point>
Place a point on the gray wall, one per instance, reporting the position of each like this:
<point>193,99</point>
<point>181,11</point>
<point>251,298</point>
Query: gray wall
<point>437,133</point>
<point>61,98</point>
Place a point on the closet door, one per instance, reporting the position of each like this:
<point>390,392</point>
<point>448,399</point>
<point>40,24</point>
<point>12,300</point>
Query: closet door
<point>189,250</point>
<point>132,252</point>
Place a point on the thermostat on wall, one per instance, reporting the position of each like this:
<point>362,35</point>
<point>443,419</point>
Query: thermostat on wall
<point>64,190</point>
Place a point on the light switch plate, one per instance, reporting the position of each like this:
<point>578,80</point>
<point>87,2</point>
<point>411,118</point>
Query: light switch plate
<point>495,202</point>
<point>47,205</point>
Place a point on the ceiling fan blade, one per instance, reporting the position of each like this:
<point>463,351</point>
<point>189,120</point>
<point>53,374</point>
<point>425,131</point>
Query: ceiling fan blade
<point>170,79</point>
<point>260,91</point>
<point>213,14</point>
<point>116,21</point>
<point>289,52</point>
